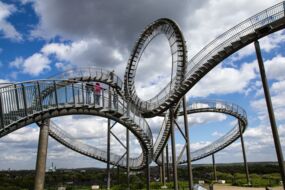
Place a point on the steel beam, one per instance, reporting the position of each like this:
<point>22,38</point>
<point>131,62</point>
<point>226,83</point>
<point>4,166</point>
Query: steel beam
<point>187,139</point>
<point>173,147</point>
<point>244,154</point>
<point>147,172</point>
<point>163,168</point>
<point>167,163</point>
<point>270,112</point>
<point>128,158</point>
<point>214,167</point>
<point>108,154</point>
<point>42,156</point>
<point>118,175</point>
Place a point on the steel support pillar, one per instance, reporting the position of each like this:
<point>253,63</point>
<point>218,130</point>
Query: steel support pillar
<point>160,173</point>
<point>128,159</point>
<point>244,154</point>
<point>108,154</point>
<point>187,139</point>
<point>270,112</point>
<point>173,147</point>
<point>147,172</point>
<point>163,168</point>
<point>118,174</point>
<point>42,156</point>
<point>167,163</point>
<point>214,167</point>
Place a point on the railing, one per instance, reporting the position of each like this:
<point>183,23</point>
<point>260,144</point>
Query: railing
<point>226,39</point>
<point>18,101</point>
<point>197,106</point>
<point>81,147</point>
<point>90,71</point>
<point>218,144</point>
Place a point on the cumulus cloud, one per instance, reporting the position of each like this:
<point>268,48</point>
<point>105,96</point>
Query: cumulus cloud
<point>6,28</point>
<point>275,67</point>
<point>33,65</point>
<point>267,44</point>
<point>96,33</point>
<point>221,79</point>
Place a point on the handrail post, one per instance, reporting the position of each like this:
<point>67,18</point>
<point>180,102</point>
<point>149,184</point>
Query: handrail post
<point>1,111</point>
<point>82,88</point>
<point>73,93</point>
<point>24,99</point>
<point>65,90</point>
<point>55,93</point>
<point>17,98</point>
<point>103,101</point>
<point>40,97</point>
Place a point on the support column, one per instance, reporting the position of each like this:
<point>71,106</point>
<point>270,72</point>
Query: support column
<point>173,147</point>
<point>160,173</point>
<point>163,168</point>
<point>147,172</point>
<point>42,156</point>
<point>167,163</point>
<point>214,167</point>
<point>118,174</point>
<point>270,112</point>
<point>189,164</point>
<point>244,154</point>
<point>108,154</point>
<point>128,159</point>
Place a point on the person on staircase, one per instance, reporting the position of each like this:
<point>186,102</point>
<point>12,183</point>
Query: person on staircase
<point>97,92</point>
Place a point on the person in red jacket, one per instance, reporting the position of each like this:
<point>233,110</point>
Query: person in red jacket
<point>97,91</point>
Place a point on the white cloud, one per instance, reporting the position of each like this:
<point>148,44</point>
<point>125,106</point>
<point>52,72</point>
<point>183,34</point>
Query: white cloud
<point>267,43</point>
<point>202,25</point>
<point>217,134</point>
<point>33,65</point>
<point>221,79</point>
<point>203,118</point>
<point>275,68</point>
<point>7,28</point>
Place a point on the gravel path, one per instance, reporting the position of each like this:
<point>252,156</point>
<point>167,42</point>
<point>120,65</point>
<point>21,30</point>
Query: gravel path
<point>227,187</point>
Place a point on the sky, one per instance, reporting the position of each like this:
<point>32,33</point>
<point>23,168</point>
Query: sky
<point>39,39</point>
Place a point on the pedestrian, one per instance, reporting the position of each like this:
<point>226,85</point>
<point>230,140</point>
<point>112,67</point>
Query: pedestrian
<point>97,91</point>
<point>115,99</point>
<point>111,75</point>
<point>88,87</point>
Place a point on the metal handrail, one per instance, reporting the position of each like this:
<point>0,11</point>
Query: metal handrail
<point>91,151</point>
<point>234,34</point>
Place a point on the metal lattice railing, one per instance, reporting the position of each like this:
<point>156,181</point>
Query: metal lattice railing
<point>197,106</point>
<point>18,101</point>
<point>249,26</point>
<point>91,151</point>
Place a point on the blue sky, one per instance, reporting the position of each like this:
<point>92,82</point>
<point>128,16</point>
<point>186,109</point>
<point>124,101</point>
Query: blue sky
<point>41,38</point>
